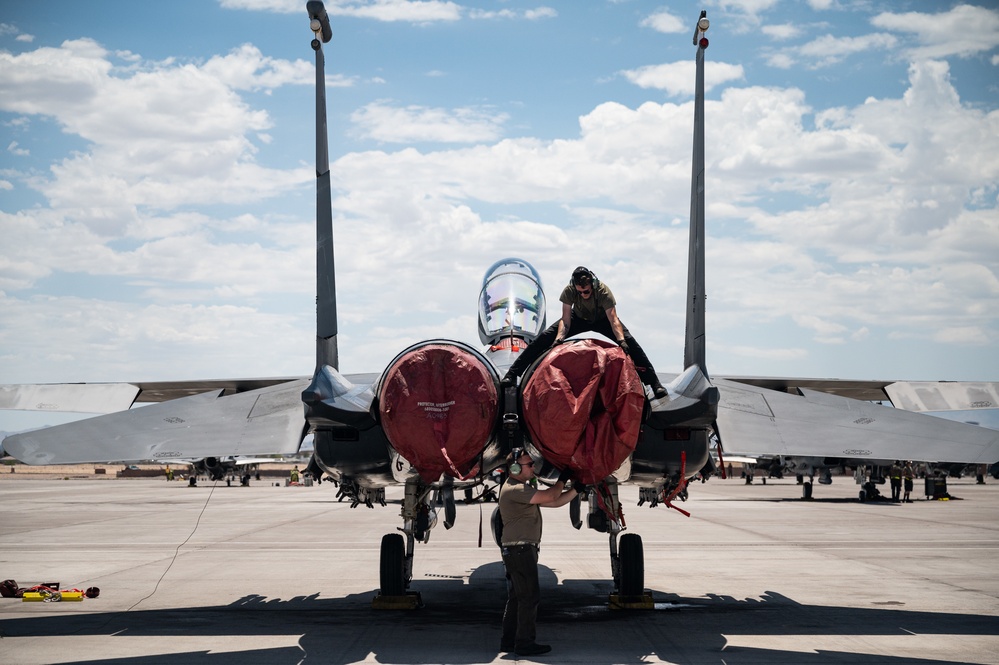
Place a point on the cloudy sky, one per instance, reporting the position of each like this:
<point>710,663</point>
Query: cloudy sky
<point>157,180</point>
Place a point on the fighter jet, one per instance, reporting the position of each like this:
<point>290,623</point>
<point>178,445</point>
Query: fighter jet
<point>437,418</point>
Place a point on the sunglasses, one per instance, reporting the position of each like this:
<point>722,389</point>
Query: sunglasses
<point>584,292</point>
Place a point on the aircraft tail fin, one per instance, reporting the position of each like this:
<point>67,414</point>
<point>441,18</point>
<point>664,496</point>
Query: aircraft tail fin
<point>693,350</point>
<point>326,315</point>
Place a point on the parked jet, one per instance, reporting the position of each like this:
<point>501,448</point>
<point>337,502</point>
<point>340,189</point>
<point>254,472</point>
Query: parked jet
<point>971,402</point>
<point>437,419</point>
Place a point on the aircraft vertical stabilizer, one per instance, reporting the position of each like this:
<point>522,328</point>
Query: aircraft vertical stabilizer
<point>326,323</point>
<point>693,350</point>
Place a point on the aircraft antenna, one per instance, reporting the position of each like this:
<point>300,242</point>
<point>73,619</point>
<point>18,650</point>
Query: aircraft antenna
<point>693,350</point>
<point>326,320</point>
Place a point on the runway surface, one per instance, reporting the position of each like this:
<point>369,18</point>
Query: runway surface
<point>274,574</point>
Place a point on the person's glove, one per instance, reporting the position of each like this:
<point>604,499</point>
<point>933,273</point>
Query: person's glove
<point>624,347</point>
<point>558,340</point>
<point>565,476</point>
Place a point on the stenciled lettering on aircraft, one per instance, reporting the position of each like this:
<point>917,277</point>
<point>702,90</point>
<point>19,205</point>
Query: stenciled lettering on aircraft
<point>174,420</point>
<point>982,405</point>
<point>436,410</point>
<point>857,453</point>
<point>863,421</point>
<point>42,406</point>
<point>169,453</point>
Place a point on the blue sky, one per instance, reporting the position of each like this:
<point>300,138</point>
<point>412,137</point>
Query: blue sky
<point>157,180</point>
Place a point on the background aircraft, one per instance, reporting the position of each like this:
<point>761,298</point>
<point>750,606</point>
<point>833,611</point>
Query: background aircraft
<point>436,419</point>
<point>971,402</point>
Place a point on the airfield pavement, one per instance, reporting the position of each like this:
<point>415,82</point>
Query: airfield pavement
<point>274,574</point>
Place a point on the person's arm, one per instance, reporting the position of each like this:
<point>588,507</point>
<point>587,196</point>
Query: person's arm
<point>554,496</point>
<point>615,324</point>
<point>564,322</point>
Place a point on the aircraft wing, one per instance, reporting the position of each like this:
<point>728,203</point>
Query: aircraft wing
<point>944,395</point>
<point>111,397</point>
<point>73,397</point>
<point>237,462</point>
<point>757,421</point>
<point>874,391</point>
<point>257,422</point>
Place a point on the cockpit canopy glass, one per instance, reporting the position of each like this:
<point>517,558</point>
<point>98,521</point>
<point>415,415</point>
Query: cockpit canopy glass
<point>511,302</point>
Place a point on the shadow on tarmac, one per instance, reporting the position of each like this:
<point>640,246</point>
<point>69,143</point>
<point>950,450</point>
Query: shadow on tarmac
<point>460,623</point>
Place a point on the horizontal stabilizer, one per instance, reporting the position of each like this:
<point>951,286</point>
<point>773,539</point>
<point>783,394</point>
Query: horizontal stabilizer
<point>259,422</point>
<point>73,397</point>
<point>757,421</point>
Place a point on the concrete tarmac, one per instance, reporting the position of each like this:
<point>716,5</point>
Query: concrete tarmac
<point>274,574</point>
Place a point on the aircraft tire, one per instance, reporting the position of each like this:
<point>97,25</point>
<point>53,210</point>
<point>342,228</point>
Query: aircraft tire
<point>392,574</point>
<point>632,565</point>
<point>863,496</point>
<point>806,490</point>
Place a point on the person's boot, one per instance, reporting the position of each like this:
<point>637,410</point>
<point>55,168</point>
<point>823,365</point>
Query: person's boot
<point>658,389</point>
<point>533,649</point>
<point>509,379</point>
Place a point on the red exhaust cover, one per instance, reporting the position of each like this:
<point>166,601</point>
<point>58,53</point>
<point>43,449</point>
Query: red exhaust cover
<point>583,407</point>
<point>438,406</point>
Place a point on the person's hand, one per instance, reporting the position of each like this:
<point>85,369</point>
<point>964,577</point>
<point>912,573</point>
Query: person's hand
<point>624,347</point>
<point>565,476</point>
<point>558,340</point>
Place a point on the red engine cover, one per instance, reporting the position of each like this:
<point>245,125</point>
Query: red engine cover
<point>438,405</point>
<point>583,406</point>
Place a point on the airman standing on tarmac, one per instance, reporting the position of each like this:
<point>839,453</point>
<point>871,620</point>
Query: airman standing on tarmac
<point>520,504</point>
<point>907,475</point>
<point>895,475</point>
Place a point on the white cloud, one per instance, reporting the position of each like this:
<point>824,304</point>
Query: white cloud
<point>415,11</point>
<point>528,14</point>
<point>781,32</point>
<point>410,11</point>
<point>14,150</point>
<point>879,178</point>
<point>161,135</point>
<point>964,335</point>
<point>677,78</point>
<point>393,124</point>
<point>891,202</point>
<point>663,21</point>
<point>746,12</point>
<point>246,68</point>
<point>963,31</point>
<point>540,13</point>
<point>829,50</point>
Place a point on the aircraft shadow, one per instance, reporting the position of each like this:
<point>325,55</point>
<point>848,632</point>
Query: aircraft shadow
<point>460,623</point>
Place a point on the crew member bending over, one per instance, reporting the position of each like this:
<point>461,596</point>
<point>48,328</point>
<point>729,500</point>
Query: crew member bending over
<point>587,305</point>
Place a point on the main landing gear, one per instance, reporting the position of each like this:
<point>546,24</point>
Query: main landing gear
<point>627,554</point>
<point>419,516</point>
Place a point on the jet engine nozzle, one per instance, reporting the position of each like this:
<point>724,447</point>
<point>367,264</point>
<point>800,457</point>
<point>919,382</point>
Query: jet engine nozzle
<point>583,407</point>
<point>214,468</point>
<point>438,404</point>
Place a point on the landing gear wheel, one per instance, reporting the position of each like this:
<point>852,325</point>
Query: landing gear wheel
<point>863,496</point>
<point>392,572</point>
<point>632,581</point>
<point>806,490</point>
